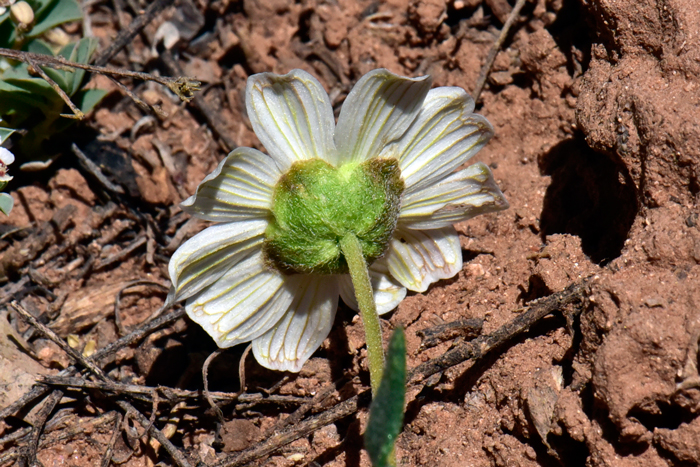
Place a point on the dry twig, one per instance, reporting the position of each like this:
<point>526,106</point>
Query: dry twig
<point>173,395</point>
<point>182,86</point>
<point>86,362</point>
<point>126,35</point>
<point>486,69</point>
<point>474,351</point>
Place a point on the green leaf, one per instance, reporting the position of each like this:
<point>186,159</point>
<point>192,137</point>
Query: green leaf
<point>6,203</point>
<point>38,46</point>
<point>386,411</point>
<point>50,13</point>
<point>5,133</point>
<point>80,53</point>
<point>87,99</point>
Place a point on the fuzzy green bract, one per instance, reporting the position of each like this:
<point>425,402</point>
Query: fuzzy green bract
<point>315,205</point>
<point>384,184</point>
<point>386,411</point>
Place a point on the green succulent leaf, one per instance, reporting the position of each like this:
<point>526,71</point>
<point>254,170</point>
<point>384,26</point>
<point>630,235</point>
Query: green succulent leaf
<point>51,13</point>
<point>87,99</point>
<point>386,411</point>
<point>79,53</point>
<point>5,133</point>
<point>6,203</point>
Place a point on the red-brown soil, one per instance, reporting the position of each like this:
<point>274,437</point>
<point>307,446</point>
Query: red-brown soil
<point>596,110</point>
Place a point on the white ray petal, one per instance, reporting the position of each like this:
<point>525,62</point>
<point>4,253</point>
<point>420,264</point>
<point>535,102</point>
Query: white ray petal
<point>204,258</point>
<point>387,293</point>
<point>240,188</point>
<point>378,110</point>
<point>416,259</point>
<point>244,303</point>
<point>6,157</point>
<point>456,198</point>
<point>302,330</point>
<point>292,116</point>
<point>444,136</point>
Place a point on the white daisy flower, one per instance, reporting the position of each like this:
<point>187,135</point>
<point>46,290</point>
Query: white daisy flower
<point>272,269</point>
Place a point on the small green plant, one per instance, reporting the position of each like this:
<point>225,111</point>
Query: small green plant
<point>29,95</point>
<point>386,412</point>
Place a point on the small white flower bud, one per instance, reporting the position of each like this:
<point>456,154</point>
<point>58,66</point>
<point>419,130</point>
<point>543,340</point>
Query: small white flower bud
<point>22,14</point>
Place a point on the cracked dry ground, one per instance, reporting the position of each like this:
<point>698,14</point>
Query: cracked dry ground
<point>596,109</point>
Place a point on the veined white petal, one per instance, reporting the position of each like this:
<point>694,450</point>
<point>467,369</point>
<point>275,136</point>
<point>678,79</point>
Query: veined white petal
<point>307,322</point>
<point>240,188</point>
<point>292,116</point>
<point>244,303</point>
<point>378,110</point>
<point>456,198</point>
<point>416,259</point>
<point>204,258</point>
<point>387,293</point>
<point>444,136</point>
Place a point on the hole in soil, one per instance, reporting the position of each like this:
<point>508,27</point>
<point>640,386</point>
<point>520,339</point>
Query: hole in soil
<point>590,196</point>
<point>536,288</point>
<point>660,414</point>
<point>570,32</point>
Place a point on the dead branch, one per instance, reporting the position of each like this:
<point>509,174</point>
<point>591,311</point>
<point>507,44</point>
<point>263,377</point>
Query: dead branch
<point>182,86</point>
<point>173,395</point>
<point>475,351</point>
<point>142,331</point>
<point>88,363</point>
<point>126,35</point>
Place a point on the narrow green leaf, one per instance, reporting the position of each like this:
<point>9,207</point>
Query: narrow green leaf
<point>79,53</point>
<point>38,46</point>
<point>87,99</point>
<point>5,133</point>
<point>6,203</point>
<point>386,411</point>
<point>50,14</point>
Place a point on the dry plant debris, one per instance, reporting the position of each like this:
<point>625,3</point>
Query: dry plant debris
<point>586,291</point>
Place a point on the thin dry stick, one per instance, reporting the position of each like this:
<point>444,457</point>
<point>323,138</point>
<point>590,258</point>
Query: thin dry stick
<point>51,335</point>
<point>126,35</point>
<point>117,300</point>
<point>77,113</point>
<point>171,394</point>
<point>474,350</point>
<point>141,103</point>
<point>64,435</point>
<point>95,170</point>
<point>299,413</point>
<point>213,119</point>
<point>241,368</point>
<point>107,457</point>
<point>205,378</point>
<point>86,362</point>
<point>135,336</point>
<point>481,346</point>
<point>182,86</point>
<point>486,69</point>
<point>33,446</point>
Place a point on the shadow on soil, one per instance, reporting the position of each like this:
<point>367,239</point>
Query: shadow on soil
<point>590,196</point>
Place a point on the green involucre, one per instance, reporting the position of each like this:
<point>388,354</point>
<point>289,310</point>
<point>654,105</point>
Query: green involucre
<point>315,205</point>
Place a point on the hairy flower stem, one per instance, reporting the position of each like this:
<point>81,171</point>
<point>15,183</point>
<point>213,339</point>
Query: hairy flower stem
<point>352,250</point>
